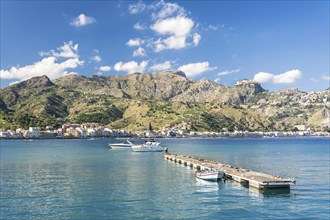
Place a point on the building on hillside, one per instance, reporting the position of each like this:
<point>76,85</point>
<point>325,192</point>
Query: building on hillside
<point>48,134</point>
<point>106,132</point>
<point>67,127</point>
<point>5,134</point>
<point>301,127</point>
<point>20,132</point>
<point>90,125</point>
<point>33,132</point>
<point>81,132</point>
<point>59,133</point>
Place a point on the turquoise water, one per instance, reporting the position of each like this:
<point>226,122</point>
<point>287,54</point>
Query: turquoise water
<point>84,179</point>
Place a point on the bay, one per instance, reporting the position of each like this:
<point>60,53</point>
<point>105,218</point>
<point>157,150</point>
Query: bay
<point>84,179</point>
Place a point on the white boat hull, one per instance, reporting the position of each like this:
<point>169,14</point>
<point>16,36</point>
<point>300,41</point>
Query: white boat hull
<point>144,148</point>
<point>120,146</point>
<point>212,176</point>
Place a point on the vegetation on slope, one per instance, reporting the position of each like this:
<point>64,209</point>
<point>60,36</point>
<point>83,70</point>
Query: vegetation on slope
<point>132,101</point>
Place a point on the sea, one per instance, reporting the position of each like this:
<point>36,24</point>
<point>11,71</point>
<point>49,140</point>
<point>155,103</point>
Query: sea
<point>85,179</point>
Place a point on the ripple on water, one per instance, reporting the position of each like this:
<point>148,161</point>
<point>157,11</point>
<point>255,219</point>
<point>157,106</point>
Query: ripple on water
<point>80,179</point>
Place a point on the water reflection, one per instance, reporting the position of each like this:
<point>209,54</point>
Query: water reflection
<point>204,186</point>
<point>261,193</point>
<point>267,193</point>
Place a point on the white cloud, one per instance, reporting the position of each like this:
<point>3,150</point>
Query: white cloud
<point>288,77</point>
<point>140,52</point>
<point>172,42</point>
<point>194,69</point>
<point>47,66</point>
<point>213,27</point>
<point>326,78</point>
<point>139,26</point>
<point>96,58</point>
<point>163,9</point>
<point>131,67</point>
<point>68,50</point>
<point>134,42</point>
<point>263,77</point>
<point>227,72</point>
<point>178,28</point>
<point>137,8</point>
<point>171,21</point>
<point>314,80</point>
<point>82,20</point>
<point>161,66</point>
<point>50,66</point>
<point>196,39</point>
<point>105,68</point>
<point>158,9</point>
<point>217,80</point>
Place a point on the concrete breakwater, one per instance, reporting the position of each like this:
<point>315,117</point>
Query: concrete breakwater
<point>252,178</point>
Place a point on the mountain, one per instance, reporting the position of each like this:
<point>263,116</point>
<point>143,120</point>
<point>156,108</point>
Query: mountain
<point>132,101</point>
<point>170,85</point>
<point>3,106</point>
<point>11,94</point>
<point>162,86</point>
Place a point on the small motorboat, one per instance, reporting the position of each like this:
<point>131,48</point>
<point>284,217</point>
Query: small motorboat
<point>149,146</point>
<point>126,145</point>
<point>212,175</point>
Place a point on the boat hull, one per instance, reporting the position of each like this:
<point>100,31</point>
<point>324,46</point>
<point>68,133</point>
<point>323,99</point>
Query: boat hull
<point>142,148</point>
<point>120,146</point>
<point>210,176</point>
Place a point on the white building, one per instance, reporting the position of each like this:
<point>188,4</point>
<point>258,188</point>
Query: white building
<point>91,132</point>
<point>34,132</point>
<point>82,132</point>
<point>4,134</point>
<point>301,127</point>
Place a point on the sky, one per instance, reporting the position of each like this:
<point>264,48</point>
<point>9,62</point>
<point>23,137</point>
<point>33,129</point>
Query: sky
<point>280,44</point>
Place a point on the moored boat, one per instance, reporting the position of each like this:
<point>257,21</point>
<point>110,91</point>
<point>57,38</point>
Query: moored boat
<point>127,145</point>
<point>212,175</point>
<point>148,146</point>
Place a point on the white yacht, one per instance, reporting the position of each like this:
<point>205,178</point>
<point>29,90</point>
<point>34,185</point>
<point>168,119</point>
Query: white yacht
<point>149,146</point>
<point>127,145</point>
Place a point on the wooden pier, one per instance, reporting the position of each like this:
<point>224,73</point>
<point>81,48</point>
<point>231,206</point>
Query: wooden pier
<point>252,178</point>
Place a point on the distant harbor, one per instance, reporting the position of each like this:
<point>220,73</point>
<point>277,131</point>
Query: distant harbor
<point>94,130</point>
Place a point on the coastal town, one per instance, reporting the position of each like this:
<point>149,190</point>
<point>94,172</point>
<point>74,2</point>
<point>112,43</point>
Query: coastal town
<point>181,130</point>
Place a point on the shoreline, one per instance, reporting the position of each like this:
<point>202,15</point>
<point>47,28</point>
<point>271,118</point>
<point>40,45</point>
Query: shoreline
<point>125,138</point>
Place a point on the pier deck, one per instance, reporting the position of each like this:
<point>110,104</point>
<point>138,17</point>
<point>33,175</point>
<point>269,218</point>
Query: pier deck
<point>254,179</point>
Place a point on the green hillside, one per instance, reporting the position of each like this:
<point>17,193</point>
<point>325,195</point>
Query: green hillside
<point>132,101</point>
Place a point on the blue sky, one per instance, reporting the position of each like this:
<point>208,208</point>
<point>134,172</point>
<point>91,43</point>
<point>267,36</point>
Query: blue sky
<point>281,44</point>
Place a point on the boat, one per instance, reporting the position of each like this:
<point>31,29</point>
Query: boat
<point>212,175</point>
<point>149,146</point>
<point>127,145</point>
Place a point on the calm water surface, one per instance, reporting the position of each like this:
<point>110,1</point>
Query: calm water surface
<point>84,179</point>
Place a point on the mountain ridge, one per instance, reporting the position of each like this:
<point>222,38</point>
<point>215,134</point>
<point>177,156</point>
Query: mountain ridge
<point>170,85</point>
<point>132,101</point>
